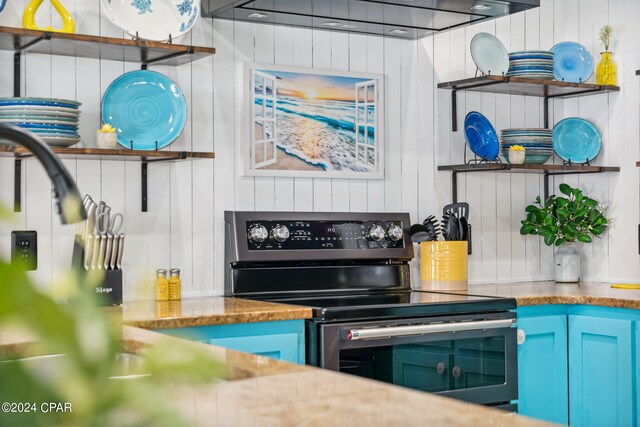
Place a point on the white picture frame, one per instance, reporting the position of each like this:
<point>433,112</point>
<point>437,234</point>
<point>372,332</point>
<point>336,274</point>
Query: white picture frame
<point>306,127</point>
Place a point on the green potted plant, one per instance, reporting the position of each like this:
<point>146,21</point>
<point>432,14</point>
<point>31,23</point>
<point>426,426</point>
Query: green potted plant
<point>565,222</point>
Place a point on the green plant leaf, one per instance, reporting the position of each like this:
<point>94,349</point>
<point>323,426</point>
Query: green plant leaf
<point>561,202</point>
<point>560,241</point>
<point>584,238</point>
<point>590,203</point>
<point>533,209</point>
<point>548,220</point>
<point>598,230</point>
<point>538,200</point>
<point>565,189</point>
<point>549,239</point>
<point>526,229</point>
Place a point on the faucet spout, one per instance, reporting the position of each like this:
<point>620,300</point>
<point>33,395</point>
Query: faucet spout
<point>65,190</point>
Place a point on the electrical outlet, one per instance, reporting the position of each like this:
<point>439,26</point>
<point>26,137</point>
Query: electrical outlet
<point>24,249</point>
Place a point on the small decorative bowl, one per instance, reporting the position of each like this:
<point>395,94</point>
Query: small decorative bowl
<point>516,157</point>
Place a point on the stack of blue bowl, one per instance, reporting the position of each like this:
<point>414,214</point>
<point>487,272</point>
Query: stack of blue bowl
<point>533,64</point>
<point>537,143</point>
<point>53,120</point>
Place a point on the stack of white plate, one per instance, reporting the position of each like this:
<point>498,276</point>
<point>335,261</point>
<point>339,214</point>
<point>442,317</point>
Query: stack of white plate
<point>535,64</point>
<point>537,143</point>
<point>54,120</point>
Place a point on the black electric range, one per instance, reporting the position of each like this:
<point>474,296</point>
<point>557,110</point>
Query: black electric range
<point>353,270</point>
<point>396,305</point>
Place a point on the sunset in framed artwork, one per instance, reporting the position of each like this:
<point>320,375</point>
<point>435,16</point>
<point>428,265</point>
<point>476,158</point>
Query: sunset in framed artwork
<point>313,123</point>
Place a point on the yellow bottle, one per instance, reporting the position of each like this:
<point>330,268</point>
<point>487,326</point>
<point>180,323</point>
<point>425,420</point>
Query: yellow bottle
<point>175,285</point>
<point>162,285</point>
<point>607,71</point>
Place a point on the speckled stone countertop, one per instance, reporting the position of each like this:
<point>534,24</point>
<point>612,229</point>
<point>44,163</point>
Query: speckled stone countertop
<point>267,392</point>
<point>151,314</point>
<point>540,293</point>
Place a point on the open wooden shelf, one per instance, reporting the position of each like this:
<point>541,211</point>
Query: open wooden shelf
<point>546,89</point>
<point>142,156</point>
<point>507,167</point>
<point>546,170</point>
<point>86,46</point>
<point>115,154</point>
<point>528,87</point>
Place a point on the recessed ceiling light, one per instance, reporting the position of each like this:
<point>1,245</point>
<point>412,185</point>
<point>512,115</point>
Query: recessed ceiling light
<point>257,15</point>
<point>481,7</point>
<point>398,31</point>
<point>330,24</point>
<point>348,26</point>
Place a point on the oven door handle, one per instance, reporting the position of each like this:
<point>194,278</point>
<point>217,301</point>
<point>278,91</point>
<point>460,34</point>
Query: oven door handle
<point>400,331</point>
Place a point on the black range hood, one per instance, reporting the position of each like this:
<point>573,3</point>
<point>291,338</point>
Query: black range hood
<point>409,19</point>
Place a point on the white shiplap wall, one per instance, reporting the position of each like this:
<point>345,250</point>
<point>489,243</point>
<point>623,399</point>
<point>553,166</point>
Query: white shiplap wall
<point>184,227</point>
<point>498,201</point>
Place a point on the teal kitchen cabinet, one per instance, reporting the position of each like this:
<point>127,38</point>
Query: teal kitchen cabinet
<point>542,364</point>
<point>579,365</point>
<point>282,340</point>
<point>602,370</point>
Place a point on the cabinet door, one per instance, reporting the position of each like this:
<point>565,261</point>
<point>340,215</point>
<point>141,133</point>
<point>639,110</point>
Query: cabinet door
<point>601,371</point>
<point>422,368</point>
<point>277,346</point>
<point>542,368</point>
<point>282,339</point>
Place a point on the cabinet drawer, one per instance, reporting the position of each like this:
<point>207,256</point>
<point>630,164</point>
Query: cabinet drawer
<point>283,340</point>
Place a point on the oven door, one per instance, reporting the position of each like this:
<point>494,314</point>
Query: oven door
<point>472,358</point>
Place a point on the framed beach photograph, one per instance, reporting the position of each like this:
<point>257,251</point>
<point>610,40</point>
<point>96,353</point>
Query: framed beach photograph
<point>305,122</point>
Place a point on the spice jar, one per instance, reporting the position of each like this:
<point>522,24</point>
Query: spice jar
<point>162,285</point>
<point>175,285</point>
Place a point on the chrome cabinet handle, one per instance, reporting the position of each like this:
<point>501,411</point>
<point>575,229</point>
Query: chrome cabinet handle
<point>456,372</point>
<point>521,337</point>
<point>399,331</point>
<point>440,368</point>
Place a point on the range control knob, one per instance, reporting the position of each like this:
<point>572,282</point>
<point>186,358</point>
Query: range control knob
<point>258,233</point>
<point>376,233</point>
<point>280,233</point>
<point>394,233</point>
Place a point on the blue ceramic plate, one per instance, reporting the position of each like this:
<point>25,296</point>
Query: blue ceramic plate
<point>576,140</point>
<point>572,62</point>
<point>481,137</point>
<point>38,126</point>
<point>489,54</point>
<point>147,109</point>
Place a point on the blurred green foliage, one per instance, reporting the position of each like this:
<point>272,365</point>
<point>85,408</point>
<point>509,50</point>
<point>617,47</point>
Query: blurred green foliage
<point>90,341</point>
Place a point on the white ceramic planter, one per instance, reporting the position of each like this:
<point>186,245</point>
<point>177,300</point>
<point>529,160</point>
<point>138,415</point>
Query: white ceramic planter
<point>516,157</point>
<point>107,140</point>
<point>567,263</point>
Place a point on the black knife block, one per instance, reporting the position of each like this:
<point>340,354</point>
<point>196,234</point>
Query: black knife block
<point>110,288</point>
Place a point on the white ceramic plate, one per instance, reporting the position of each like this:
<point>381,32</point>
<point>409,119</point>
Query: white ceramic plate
<point>489,54</point>
<point>38,122</point>
<point>153,19</point>
<point>19,118</point>
<point>39,110</point>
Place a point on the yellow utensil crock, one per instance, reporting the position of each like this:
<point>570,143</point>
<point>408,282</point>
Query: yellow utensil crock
<point>443,265</point>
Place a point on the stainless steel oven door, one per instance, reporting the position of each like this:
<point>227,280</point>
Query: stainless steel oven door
<point>470,357</point>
